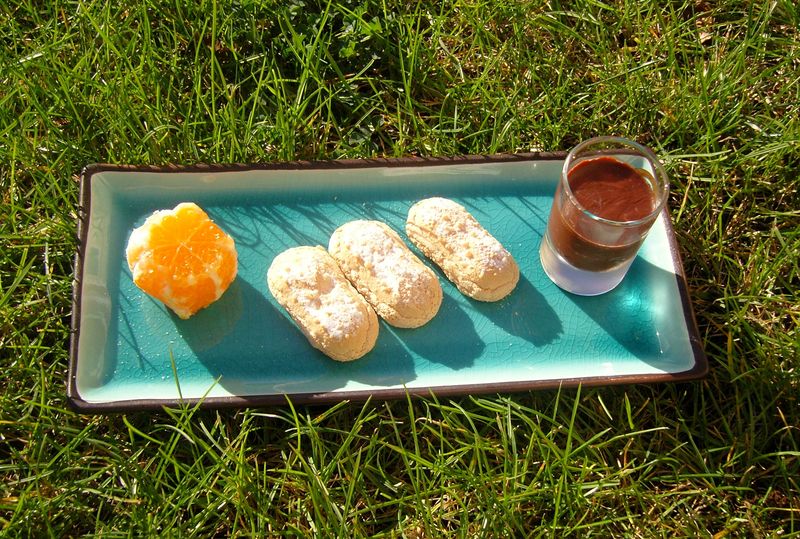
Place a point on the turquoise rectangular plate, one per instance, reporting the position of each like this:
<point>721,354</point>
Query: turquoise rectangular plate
<point>129,352</point>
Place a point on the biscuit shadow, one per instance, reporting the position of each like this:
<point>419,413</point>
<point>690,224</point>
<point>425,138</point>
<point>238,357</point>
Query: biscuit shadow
<point>388,364</point>
<point>524,313</point>
<point>449,339</point>
<point>225,341</point>
<point>251,347</point>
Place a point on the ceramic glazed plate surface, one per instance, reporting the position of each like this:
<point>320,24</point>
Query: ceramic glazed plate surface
<point>243,350</point>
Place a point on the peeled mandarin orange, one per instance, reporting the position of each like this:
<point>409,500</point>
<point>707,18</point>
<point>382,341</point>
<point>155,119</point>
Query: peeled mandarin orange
<point>182,258</point>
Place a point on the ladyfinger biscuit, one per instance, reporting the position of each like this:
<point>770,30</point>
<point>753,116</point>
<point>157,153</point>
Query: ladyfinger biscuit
<point>332,315</point>
<point>472,259</point>
<point>402,289</point>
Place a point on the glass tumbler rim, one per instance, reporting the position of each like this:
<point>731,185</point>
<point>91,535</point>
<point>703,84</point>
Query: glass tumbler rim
<point>646,152</point>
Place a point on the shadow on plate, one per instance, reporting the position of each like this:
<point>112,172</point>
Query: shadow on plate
<point>524,313</point>
<point>267,229</point>
<point>262,351</point>
<point>641,310</point>
<point>450,339</point>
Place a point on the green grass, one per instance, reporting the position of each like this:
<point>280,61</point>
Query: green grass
<point>713,87</point>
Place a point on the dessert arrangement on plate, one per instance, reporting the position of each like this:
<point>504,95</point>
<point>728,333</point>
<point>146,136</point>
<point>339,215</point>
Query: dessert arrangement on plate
<point>182,258</point>
<point>250,284</point>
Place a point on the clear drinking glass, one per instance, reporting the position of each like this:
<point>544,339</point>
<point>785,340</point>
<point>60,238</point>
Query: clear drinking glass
<point>610,192</point>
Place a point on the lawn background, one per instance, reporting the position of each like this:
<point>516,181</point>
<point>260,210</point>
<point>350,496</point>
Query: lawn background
<point>711,86</point>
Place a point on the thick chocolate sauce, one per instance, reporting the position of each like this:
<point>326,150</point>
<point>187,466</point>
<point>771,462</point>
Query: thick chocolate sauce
<point>610,189</point>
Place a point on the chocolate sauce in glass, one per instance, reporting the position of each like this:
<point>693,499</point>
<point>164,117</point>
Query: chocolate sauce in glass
<point>609,189</point>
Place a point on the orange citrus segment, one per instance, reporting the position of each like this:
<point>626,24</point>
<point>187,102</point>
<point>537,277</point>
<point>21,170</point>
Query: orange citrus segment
<point>181,257</point>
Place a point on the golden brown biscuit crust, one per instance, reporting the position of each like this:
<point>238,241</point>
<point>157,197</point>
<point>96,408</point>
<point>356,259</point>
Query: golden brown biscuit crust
<point>402,289</point>
<point>333,316</point>
<point>472,259</point>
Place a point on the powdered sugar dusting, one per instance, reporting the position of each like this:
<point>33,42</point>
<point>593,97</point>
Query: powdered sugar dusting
<point>461,233</point>
<point>337,312</point>
<point>327,300</point>
<point>390,262</point>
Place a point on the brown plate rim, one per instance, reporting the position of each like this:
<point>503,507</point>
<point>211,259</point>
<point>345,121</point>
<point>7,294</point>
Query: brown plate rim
<point>698,370</point>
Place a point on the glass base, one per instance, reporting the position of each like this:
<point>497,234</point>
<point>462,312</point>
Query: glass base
<point>576,280</point>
